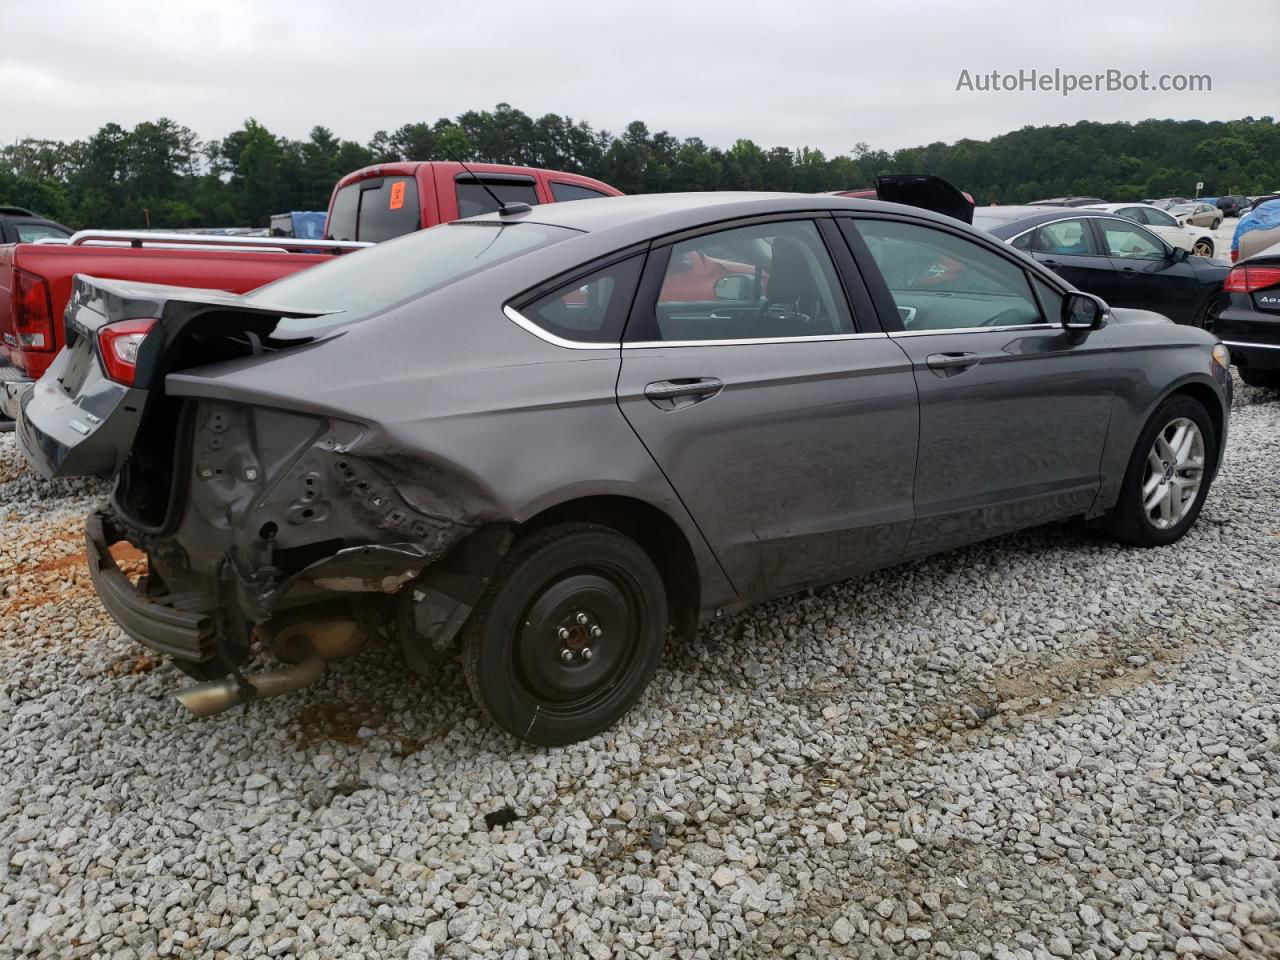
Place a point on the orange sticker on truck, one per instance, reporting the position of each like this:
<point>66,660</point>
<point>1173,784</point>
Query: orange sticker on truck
<point>397,195</point>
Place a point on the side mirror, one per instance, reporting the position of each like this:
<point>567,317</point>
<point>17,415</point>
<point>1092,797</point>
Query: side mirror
<point>735,286</point>
<point>1179,254</point>
<point>1082,312</point>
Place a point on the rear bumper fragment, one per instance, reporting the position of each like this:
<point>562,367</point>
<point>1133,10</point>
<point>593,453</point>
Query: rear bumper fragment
<point>179,626</point>
<point>12,386</point>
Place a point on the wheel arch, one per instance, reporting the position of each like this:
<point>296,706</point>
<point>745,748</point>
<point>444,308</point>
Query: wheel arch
<point>657,533</point>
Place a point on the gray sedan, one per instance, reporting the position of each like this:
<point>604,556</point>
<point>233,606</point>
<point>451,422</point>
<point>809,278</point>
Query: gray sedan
<point>540,438</point>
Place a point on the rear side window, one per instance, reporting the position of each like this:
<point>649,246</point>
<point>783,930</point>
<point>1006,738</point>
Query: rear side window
<point>474,200</point>
<point>1066,238</point>
<point>571,191</point>
<point>374,210</point>
<point>592,309</point>
<point>29,232</point>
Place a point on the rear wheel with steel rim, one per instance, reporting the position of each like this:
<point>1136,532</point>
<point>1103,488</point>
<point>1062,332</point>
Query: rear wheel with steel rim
<point>1202,248</point>
<point>568,634</point>
<point>1168,477</point>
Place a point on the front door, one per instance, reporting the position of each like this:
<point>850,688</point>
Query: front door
<point>1013,409</point>
<point>788,431</point>
<point>1148,274</point>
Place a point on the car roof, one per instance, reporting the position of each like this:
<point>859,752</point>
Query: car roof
<point>639,217</point>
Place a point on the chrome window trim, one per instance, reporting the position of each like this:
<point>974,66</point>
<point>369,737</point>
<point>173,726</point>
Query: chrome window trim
<point>753,341</point>
<point>1093,215</point>
<point>1005,329</point>
<point>1254,346</point>
<point>520,320</point>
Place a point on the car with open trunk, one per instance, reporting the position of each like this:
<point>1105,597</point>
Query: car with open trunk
<point>525,439</point>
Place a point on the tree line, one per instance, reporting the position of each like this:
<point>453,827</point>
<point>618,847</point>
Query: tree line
<point>161,174</point>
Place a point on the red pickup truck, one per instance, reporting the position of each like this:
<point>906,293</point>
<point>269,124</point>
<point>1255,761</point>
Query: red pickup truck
<point>368,206</point>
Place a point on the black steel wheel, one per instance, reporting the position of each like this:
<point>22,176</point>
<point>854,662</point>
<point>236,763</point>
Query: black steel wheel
<point>567,635</point>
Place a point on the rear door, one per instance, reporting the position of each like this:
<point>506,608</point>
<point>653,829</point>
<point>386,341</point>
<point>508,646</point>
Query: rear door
<point>1013,409</point>
<point>783,416</point>
<point>1071,250</point>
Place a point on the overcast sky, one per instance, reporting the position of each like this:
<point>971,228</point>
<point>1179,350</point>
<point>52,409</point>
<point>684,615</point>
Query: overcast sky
<point>822,73</point>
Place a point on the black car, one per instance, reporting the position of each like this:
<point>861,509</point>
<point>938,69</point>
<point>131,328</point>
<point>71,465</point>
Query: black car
<point>1233,206</point>
<point>20,225</point>
<point>1110,256</point>
<point>1068,202</point>
<point>1249,324</point>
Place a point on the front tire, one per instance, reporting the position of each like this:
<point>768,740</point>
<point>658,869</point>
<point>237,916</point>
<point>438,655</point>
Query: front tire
<point>1202,248</point>
<point>1168,476</point>
<point>567,635</point>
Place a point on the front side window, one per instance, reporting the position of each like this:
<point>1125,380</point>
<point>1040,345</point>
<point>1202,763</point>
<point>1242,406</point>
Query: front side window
<point>592,309</point>
<point>1130,241</point>
<point>474,199</point>
<point>571,191</point>
<point>1066,238</point>
<point>766,281</point>
<point>941,281</point>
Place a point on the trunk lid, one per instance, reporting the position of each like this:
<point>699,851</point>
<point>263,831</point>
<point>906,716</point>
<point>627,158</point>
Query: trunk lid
<point>79,420</point>
<point>926,192</point>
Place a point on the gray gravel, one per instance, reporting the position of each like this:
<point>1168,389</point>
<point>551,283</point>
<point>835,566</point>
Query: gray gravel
<point>1043,746</point>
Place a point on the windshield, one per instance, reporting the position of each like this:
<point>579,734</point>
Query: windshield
<point>356,286</point>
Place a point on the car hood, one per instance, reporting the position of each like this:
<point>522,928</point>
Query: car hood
<point>1131,315</point>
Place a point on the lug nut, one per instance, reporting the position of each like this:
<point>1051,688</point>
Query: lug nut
<point>563,633</point>
<point>582,619</point>
<point>586,653</point>
<point>566,655</point>
<point>596,632</point>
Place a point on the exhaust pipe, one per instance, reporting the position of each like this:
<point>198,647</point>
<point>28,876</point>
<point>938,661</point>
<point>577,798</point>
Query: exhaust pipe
<point>206,699</point>
<point>311,643</point>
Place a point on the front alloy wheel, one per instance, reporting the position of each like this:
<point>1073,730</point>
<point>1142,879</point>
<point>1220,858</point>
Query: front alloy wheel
<point>1173,474</point>
<point>1169,473</point>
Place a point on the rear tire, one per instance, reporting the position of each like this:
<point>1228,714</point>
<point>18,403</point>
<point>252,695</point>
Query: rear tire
<point>1157,504</point>
<point>567,635</point>
<point>1216,224</point>
<point>1260,378</point>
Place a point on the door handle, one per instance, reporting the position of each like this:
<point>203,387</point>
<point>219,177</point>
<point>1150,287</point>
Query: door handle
<point>672,394</point>
<point>949,364</point>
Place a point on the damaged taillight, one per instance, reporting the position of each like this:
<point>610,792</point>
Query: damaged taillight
<point>33,311</point>
<point>119,344</point>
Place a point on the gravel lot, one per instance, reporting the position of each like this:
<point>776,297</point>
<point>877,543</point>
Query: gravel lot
<point>1041,746</point>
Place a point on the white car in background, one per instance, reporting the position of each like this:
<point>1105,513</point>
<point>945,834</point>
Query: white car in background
<point>1199,241</point>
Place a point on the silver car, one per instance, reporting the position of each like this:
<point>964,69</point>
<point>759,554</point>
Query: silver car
<point>539,438</point>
